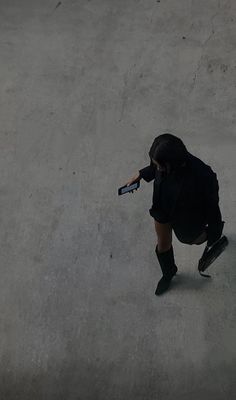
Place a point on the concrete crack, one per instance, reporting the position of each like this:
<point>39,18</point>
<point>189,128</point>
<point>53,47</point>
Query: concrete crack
<point>125,95</point>
<point>203,46</point>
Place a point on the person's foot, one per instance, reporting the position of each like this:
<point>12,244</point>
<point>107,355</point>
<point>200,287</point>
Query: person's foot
<point>164,283</point>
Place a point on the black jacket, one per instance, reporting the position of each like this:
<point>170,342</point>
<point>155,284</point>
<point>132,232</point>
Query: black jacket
<point>191,190</point>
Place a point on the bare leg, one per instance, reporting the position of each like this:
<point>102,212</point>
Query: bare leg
<point>164,236</point>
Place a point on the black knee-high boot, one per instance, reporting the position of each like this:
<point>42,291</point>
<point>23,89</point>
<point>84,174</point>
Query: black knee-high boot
<point>168,267</point>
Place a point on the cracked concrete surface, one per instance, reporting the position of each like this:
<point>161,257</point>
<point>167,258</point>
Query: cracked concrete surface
<point>85,88</point>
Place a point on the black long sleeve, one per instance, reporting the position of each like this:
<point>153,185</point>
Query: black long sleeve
<point>212,209</point>
<point>148,173</point>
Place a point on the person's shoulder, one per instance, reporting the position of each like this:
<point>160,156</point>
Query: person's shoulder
<point>198,166</point>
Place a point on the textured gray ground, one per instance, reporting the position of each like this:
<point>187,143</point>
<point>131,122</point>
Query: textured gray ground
<point>84,89</point>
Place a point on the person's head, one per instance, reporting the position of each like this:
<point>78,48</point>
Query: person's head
<point>168,152</point>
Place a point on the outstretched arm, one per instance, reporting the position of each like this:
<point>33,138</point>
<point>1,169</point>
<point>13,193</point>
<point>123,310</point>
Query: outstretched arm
<point>148,173</point>
<point>212,209</point>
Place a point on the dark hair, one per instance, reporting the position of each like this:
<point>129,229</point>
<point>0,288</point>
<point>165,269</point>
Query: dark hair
<point>168,148</point>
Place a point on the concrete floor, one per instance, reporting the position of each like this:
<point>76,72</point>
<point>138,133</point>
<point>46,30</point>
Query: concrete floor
<point>85,86</point>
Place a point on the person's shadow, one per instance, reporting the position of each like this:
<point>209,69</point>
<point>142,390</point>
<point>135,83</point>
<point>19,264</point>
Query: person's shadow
<point>188,281</point>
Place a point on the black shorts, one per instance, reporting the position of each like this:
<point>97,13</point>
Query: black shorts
<point>186,226</point>
<point>159,215</point>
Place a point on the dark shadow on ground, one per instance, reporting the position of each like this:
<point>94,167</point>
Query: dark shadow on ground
<point>188,281</point>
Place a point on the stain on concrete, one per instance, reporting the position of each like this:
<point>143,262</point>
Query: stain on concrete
<point>224,67</point>
<point>58,5</point>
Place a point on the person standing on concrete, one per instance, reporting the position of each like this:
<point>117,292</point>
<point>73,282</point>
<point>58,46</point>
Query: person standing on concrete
<point>185,199</point>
